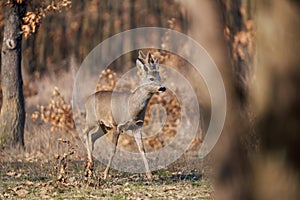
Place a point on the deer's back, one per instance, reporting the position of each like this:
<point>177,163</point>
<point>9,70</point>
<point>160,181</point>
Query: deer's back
<point>110,108</point>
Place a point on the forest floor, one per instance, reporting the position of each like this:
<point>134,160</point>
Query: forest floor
<point>53,180</point>
<point>53,167</point>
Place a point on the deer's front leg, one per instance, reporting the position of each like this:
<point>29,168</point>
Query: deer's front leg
<point>139,141</point>
<point>116,134</point>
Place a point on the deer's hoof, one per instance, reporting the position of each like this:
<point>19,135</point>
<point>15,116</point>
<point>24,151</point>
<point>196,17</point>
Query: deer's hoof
<point>149,175</point>
<point>105,175</point>
<point>89,167</point>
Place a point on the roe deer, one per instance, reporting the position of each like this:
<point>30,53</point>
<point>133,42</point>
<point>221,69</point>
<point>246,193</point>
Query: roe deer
<point>116,112</point>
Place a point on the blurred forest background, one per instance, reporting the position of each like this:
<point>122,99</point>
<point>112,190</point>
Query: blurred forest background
<point>74,32</point>
<point>256,46</point>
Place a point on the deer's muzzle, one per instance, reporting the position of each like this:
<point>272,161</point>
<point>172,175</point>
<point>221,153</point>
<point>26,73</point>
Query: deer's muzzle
<point>162,89</point>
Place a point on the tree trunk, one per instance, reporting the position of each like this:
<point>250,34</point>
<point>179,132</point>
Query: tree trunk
<point>12,116</point>
<point>266,108</point>
<point>235,164</point>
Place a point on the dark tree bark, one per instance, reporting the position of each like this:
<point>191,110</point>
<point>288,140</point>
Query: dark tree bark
<point>271,171</point>
<point>12,116</point>
<point>239,34</point>
<point>235,164</point>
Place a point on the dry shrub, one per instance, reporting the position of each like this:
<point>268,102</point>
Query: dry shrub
<point>63,161</point>
<point>58,113</point>
<point>108,80</point>
<point>172,108</point>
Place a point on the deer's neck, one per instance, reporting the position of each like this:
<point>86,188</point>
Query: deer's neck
<point>138,103</point>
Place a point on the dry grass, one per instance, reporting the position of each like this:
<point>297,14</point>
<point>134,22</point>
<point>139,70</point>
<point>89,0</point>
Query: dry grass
<point>52,167</point>
<point>39,180</point>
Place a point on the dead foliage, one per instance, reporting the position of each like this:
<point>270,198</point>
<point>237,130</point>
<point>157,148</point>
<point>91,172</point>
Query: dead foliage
<point>62,161</point>
<point>33,19</point>
<point>58,113</point>
<point>31,180</point>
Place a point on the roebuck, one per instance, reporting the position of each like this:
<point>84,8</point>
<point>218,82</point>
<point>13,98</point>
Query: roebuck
<point>117,112</point>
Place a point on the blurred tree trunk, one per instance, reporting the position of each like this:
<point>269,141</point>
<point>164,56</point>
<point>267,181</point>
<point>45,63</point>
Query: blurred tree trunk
<point>99,22</point>
<point>272,172</point>
<point>42,53</point>
<point>30,54</point>
<point>239,34</point>
<point>127,13</point>
<point>12,117</point>
<point>235,165</point>
<point>64,40</point>
<point>78,36</point>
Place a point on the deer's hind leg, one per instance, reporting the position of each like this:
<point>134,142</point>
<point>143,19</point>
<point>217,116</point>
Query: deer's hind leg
<point>87,136</point>
<point>116,134</point>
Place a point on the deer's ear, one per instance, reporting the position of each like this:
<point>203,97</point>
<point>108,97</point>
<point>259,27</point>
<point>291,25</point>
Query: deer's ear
<point>141,55</point>
<point>142,69</point>
<point>156,63</point>
<point>150,59</point>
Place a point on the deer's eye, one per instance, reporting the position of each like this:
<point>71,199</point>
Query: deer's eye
<point>151,79</point>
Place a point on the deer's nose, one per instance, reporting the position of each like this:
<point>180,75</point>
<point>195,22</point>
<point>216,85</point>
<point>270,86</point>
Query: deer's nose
<point>162,89</point>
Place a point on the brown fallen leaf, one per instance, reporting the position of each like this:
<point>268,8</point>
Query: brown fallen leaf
<point>169,189</point>
<point>29,183</point>
<point>12,173</point>
<point>21,192</point>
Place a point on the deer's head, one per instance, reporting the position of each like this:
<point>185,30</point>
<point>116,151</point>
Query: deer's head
<point>148,69</point>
